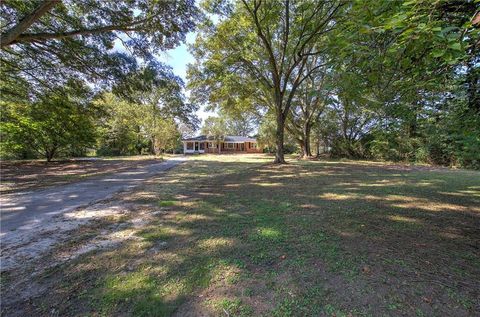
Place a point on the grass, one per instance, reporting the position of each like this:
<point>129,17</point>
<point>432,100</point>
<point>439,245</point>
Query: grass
<point>241,237</point>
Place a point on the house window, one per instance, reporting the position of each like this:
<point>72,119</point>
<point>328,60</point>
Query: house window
<point>253,145</point>
<point>211,145</point>
<point>230,145</point>
<point>202,146</point>
<point>189,145</point>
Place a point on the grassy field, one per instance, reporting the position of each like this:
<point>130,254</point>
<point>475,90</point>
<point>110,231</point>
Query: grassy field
<point>236,236</point>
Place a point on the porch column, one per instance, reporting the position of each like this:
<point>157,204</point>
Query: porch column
<point>184,147</point>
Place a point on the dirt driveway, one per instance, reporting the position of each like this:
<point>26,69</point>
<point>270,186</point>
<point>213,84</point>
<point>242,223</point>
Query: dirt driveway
<point>25,215</point>
<point>19,176</point>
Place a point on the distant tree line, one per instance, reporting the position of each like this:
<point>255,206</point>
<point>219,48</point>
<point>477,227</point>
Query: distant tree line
<point>144,113</point>
<point>65,89</point>
<point>387,79</point>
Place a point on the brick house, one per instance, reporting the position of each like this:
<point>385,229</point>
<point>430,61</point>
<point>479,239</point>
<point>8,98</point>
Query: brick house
<point>229,144</point>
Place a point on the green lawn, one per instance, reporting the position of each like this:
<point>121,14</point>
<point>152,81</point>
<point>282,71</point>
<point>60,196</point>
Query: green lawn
<point>236,236</point>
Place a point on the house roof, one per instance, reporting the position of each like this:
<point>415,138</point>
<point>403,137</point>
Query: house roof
<point>227,138</point>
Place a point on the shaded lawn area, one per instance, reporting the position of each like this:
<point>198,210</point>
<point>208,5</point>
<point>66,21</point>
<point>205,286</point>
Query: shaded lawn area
<point>26,175</point>
<point>236,236</point>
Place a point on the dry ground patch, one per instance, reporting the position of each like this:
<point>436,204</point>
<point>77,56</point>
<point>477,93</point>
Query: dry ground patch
<point>234,235</point>
<point>17,176</point>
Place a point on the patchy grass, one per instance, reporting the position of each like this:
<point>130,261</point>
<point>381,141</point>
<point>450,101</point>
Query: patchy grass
<point>19,176</point>
<point>234,235</point>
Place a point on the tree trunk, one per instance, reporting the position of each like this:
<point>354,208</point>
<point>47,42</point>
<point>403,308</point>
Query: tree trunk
<point>279,135</point>
<point>317,141</point>
<point>306,148</point>
<point>155,148</point>
<point>473,87</point>
<point>49,154</point>
<point>301,145</point>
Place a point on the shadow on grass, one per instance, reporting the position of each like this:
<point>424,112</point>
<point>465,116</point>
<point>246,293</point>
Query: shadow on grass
<point>308,238</point>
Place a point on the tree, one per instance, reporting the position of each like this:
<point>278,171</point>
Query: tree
<point>167,136</point>
<point>48,42</point>
<point>216,128</point>
<point>241,124</point>
<point>307,106</point>
<point>266,133</point>
<point>143,114</point>
<point>56,123</point>
<point>156,85</point>
<point>420,62</point>
<point>270,43</point>
<point>160,94</point>
<point>120,126</point>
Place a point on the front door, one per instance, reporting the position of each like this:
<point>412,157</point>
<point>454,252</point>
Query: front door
<point>196,146</point>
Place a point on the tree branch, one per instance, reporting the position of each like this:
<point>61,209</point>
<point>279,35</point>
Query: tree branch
<point>38,37</point>
<point>10,36</point>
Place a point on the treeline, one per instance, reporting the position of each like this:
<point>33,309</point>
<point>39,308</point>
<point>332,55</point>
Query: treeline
<point>78,76</point>
<point>389,80</point>
<point>73,120</point>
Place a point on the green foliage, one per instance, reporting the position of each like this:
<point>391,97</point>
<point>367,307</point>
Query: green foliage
<point>58,123</point>
<point>229,123</point>
<point>407,85</point>
<point>386,80</point>
<point>215,127</point>
<point>128,128</point>
<point>119,130</point>
<point>257,54</point>
<point>110,45</point>
<point>75,39</point>
<point>266,136</point>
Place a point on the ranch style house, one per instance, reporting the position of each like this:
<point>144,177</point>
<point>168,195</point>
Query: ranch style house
<point>229,144</point>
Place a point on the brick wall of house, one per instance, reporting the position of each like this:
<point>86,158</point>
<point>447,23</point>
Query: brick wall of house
<point>246,147</point>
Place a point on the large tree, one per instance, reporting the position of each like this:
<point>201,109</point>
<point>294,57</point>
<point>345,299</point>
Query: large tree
<point>270,42</point>
<point>157,94</point>
<point>48,42</point>
<point>409,70</point>
<point>57,123</point>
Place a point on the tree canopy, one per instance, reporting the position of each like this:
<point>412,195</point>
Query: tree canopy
<point>103,47</point>
<point>388,80</point>
<point>270,43</point>
<point>46,43</point>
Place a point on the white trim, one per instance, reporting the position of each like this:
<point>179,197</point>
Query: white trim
<point>185,150</point>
